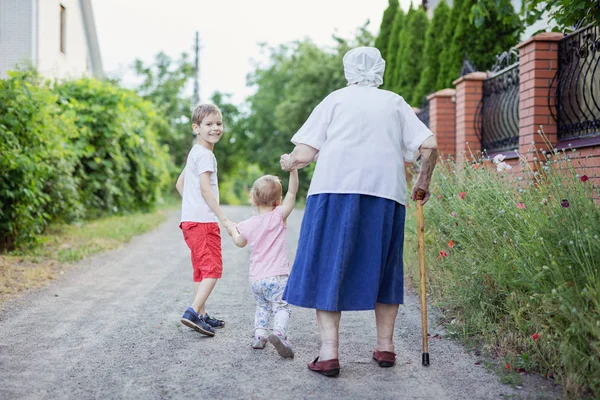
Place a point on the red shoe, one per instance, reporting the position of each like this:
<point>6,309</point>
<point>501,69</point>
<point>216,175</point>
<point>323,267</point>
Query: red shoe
<point>384,358</point>
<point>329,368</point>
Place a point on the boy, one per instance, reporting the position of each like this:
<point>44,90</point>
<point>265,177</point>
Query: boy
<point>198,186</point>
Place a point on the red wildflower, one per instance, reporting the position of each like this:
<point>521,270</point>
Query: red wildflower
<point>520,205</point>
<point>535,336</point>
<point>462,195</point>
<point>443,253</point>
<point>440,197</point>
<point>508,366</point>
<point>451,244</point>
<point>583,178</point>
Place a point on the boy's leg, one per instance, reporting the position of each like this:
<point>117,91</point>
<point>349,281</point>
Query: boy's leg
<point>203,290</point>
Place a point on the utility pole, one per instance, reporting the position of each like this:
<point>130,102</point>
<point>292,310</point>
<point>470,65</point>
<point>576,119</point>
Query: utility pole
<point>196,97</point>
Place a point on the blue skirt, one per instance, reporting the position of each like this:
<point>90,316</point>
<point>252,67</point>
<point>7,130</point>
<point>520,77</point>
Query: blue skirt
<point>349,254</point>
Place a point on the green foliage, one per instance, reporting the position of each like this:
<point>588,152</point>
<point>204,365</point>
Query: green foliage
<point>385,30</point>
<point>121,167</point>
<point>298,77</point>
<point>37,184</point>
<point>393,47</point>
<point>443,79</point>
<point>434,45</point>
<point>409,60</point>
<point>519,261</point>
<point>164,83</point>
<point>74,149</point>
<point>565,13</point>
<point>231,151</point>
<point>481,44</point>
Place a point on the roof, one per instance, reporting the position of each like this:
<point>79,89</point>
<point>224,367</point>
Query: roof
<point>92,38</point>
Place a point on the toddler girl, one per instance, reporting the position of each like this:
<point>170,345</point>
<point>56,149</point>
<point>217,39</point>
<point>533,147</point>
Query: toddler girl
<point>269,265</point>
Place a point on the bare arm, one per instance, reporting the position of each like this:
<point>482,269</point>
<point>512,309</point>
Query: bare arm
<point>179,184</point>
<point>299,158</point>
<point>210,199</point>
<point>290,198</point>
<point>235,235</point>
<point>429,155</point>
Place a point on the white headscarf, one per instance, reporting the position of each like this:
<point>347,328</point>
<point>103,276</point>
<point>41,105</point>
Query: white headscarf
<point>364,66</point>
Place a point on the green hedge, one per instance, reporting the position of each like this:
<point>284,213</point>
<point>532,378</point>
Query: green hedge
<point>513,259</point>
<point>78,149</point>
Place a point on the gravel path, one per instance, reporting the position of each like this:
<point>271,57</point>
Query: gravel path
<point>109,329</point>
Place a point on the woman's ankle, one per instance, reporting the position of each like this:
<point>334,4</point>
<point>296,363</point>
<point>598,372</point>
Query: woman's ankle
<point>329,351</point>
<point>385,345</point>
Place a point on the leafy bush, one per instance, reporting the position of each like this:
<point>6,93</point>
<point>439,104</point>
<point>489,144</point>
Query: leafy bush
<point>121,166</point>
<point>513,257</point>
<point>37,183</point>
<point>77,149</point>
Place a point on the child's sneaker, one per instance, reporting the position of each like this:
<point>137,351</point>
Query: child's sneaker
<point>284,348</point>
<point>259,342</point>
<point>215,323</point>
<point>191,319</point>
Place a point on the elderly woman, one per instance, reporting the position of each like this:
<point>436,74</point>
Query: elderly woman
<point>349,254</point>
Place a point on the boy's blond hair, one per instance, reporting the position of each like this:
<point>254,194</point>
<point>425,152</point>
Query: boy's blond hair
<point>202,111</point>
<point>267,191</point>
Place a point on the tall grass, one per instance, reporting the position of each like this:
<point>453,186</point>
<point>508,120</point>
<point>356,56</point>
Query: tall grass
<point>513,258</point>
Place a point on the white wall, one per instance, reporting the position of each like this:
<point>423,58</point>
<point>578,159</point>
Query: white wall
<point>16,33</point>
<point>51,62</point>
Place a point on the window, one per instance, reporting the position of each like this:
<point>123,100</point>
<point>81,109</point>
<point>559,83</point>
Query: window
<point>63,29</point>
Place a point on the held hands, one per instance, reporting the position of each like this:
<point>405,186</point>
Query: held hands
<point>285,162</point>
<point>231,229</point>
<point>227,224</point>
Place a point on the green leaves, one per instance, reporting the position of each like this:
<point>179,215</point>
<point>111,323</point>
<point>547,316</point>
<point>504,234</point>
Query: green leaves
<point>71,150</point>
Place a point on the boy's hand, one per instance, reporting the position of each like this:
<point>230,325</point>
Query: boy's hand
<point>230,229</point>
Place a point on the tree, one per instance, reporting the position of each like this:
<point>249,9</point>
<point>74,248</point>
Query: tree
<point>565,13</point>
<point>164,84</point>
<point>298,76</point>
<point>393,45</point>
<point>434,45</point>
<point>385,30</point>
<point>409,59</point>
<point>443,81</point>
<point>481,44</point>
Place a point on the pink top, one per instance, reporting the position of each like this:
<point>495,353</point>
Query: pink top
<point>266,235</point>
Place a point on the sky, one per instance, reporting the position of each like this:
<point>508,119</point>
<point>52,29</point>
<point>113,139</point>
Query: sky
<point>229,30</point>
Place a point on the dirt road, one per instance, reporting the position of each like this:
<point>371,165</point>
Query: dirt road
<point>109,329</point>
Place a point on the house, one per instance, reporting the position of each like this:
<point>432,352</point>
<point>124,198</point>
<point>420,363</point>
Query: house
<point>58,37</point>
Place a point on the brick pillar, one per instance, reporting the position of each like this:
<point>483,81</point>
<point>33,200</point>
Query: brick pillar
<point>442,120</point>
<point>538,63</point>
<point>468,96</point>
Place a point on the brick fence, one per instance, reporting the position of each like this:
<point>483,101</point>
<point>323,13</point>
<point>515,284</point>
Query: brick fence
<point>453,112</point>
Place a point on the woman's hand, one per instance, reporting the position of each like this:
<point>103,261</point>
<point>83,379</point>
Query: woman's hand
<point>416,188</point>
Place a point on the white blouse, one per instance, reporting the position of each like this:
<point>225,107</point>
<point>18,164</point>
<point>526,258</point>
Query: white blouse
<point>363,135</point>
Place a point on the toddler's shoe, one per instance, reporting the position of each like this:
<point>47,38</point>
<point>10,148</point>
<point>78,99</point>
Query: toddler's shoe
<point>283,347</point>
<point>191,319</point>
<point>259,342</point>
<point>215,323</point>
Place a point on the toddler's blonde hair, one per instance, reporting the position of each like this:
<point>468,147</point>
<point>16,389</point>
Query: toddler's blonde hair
<point>267,191</point>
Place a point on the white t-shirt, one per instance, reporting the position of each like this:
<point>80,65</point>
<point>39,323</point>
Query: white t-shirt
<point>193,206</point>
<point>363,135</point>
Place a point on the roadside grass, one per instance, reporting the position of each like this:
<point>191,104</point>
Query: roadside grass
<point>62,245</point>
<point>513,264</point>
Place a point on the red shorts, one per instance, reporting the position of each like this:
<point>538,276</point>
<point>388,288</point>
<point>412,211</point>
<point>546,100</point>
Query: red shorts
<point>204,241</point>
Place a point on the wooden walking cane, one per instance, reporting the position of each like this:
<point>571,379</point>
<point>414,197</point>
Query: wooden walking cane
<point>420,195</point>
